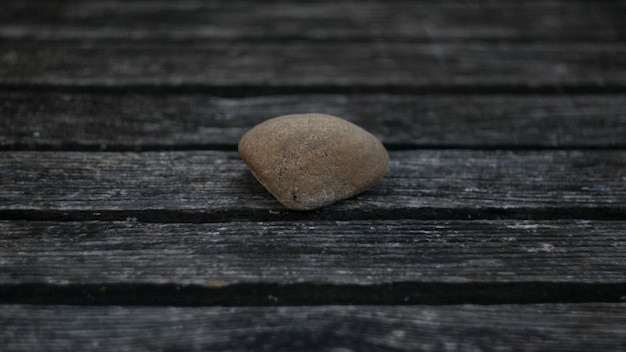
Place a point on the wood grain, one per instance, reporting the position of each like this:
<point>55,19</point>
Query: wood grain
<point>555,327</point>
<point>312,66</point>
<point>216,185</point>
<point>355,252</point>
<point>320,20</point>
<point>480,205</point>
<point>90,121</point>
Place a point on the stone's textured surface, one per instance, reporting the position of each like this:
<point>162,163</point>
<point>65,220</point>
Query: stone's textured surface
<point>308,161</point>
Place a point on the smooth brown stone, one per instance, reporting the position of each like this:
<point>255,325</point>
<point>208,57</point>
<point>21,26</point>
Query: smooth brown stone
<point>308,161</point>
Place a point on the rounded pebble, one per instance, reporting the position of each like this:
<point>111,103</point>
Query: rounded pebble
<point>308,161</point>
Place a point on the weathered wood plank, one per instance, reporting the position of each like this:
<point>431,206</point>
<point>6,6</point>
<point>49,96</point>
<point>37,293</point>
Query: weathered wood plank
<point>216,185</point>
<point>319,252</point>
<point>553,327</point>
<point>53,120</point>
<point>319,20</point>
<point>299,65</point>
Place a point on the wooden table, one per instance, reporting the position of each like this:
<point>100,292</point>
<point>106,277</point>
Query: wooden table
<point>128,221</point>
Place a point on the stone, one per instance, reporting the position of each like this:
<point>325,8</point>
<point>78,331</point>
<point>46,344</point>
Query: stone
<point>308,161</point>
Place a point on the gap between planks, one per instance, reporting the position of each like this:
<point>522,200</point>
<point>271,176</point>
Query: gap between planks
<point>278,213</point>
<point>277,295</point>
<point>234,90</point>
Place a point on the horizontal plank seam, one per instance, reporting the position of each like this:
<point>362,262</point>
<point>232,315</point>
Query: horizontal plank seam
<point>605,213</point>
<point>302,294</point>
<point>78,37</point>
<point>251,90</point>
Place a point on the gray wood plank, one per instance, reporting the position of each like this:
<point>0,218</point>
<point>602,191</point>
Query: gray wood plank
<point>553,327</point>
<point>319,20</point>
<point>299,65</point>
<point>216,185</point>
<point>88,121</point>
<point>357,252</point>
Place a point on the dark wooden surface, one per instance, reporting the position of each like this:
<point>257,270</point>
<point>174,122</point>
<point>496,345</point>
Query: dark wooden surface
<point>320,66</point>
<point>394,20</point>
<point>319,252</point>
<point>128,222</point>
<point>541,327</point>
<point>50,120</point>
